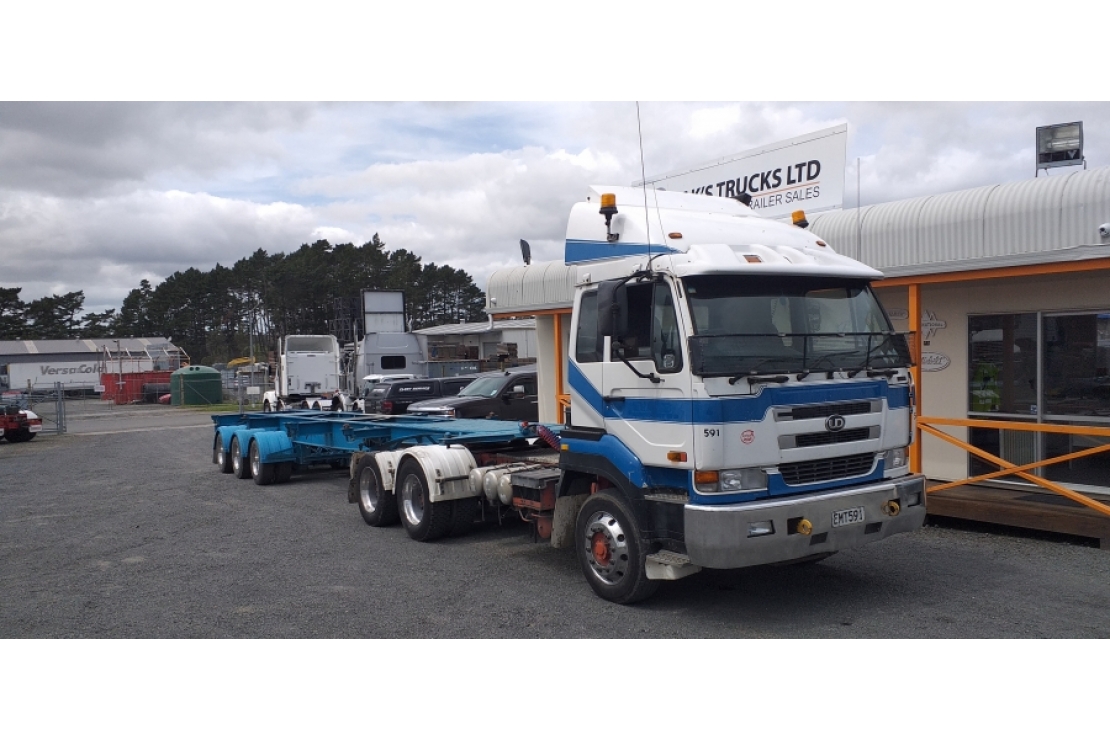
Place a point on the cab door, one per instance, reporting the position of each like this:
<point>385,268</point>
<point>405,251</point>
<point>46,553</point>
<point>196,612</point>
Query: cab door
<point>645,384</point>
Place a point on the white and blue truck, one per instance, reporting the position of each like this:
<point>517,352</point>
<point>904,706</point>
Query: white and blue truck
<point>737,397</point>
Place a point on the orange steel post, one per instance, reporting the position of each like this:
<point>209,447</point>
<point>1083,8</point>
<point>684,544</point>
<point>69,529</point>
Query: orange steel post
<point>915,371</point>
<point>559,360</point>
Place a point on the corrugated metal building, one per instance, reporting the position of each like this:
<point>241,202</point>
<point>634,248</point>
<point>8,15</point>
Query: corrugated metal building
<point>78,363</point>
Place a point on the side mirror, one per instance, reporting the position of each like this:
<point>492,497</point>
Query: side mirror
<point>612,312</point>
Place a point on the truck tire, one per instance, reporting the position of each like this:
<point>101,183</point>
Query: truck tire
<point>424,521</point>
<point>611,551</point>
<point>377,506</point>
<point>283,472</point>
<point>238,467</point>
<point>463,513</point>
<point>222,459</point>
<point>263,473</point>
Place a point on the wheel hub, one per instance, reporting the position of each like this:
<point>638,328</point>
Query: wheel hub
<point>607,546</point>
<point>413,496</point>
<point>367,488</point>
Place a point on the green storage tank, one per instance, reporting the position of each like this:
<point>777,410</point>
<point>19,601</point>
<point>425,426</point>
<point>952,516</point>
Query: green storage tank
<point>196,385</point>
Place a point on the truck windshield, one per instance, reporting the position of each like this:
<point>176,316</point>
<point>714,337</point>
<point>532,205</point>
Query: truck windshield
<point>484,387</point>
<point>756,325</point>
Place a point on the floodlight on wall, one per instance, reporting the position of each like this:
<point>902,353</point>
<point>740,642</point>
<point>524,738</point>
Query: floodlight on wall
<point>1060,145</point>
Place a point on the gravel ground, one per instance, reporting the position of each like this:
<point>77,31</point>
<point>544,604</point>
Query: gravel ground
<point>124,529</point>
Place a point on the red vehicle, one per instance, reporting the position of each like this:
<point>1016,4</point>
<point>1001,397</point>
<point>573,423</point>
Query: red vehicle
<point>19,425</point>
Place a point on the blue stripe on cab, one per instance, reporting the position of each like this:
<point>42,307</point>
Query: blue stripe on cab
<point>578,250</point>
<point>733,409</point>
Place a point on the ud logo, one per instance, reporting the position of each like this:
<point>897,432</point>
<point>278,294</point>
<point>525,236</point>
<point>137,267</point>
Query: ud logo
<point>835,423</point>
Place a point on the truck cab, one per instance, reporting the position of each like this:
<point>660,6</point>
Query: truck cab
<point>737,392</point>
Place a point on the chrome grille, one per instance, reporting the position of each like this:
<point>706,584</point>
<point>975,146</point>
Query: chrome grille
<point>830,438</point>
<point>828,409</point>
<point>832,468</point>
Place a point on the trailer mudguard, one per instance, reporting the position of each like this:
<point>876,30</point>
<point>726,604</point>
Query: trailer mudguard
<point>388,461</point>
<point>225,433</point>
<point>273,447</point>
<point>447,470</point>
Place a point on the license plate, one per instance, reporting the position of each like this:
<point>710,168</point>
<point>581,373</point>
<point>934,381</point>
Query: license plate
<point>848,516</point>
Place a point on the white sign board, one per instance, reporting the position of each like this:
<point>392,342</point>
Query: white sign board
<point>806,172</point>
<point>383,311</point>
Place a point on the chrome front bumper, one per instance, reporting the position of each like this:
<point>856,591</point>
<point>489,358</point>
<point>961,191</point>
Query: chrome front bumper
<point>719,537</point>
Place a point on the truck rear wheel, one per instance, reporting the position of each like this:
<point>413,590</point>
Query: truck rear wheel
<point>611,550</point>
<point>220,456</point>
<point>377,506</point>
<point>263,473</point>
<point>283,472</point>
<point>238,467</point>
<point>424,520</point>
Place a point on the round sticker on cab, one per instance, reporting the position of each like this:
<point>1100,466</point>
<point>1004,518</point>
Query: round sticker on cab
<point>747,436</point>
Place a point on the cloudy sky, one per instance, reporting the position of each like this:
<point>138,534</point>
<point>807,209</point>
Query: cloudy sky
<point>96,196</point>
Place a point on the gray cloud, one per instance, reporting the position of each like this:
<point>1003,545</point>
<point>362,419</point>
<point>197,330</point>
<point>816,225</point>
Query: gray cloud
<point>96,197</point>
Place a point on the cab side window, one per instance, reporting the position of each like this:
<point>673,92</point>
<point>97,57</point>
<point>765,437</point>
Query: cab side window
<point>666,339</point>
<point>585,343</point>
<point>652,327</point>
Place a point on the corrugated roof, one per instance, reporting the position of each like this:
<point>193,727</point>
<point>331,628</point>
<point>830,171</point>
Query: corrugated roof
<point>476,327</point>
<point>1041,220</point>
<point>537,287</point>
<point>133,345</point>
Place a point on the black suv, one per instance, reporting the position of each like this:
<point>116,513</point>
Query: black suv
<point>395,397</point>
<point>510,394</point>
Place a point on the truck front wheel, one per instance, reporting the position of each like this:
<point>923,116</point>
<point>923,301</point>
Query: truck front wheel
<point>424,520</point>
<point>611,550</point>
<point>377,506</point>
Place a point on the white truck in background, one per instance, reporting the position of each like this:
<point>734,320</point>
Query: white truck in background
<point>309,375</point>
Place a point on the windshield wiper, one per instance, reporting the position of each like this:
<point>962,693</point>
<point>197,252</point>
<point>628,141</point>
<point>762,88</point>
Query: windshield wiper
<point>754,375</point>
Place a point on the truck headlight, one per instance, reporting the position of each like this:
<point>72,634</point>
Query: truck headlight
<point>743,479</point>
<point>727,481</point>
<point>895,458</point>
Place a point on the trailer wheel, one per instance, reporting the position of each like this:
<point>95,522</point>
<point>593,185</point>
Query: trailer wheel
<point>237,465</point>
<point>424,520</point>
<point>611,550</point>
<point>222,459</point>
<point>463,513</point>
<point>263,473</point>
<point>283,472</point>
<point>377,506</point>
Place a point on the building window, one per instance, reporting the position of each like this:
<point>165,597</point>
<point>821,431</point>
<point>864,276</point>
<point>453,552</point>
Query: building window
<point>1071,368</point>
<point>1002,364</point>
<point>1076,364</point>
